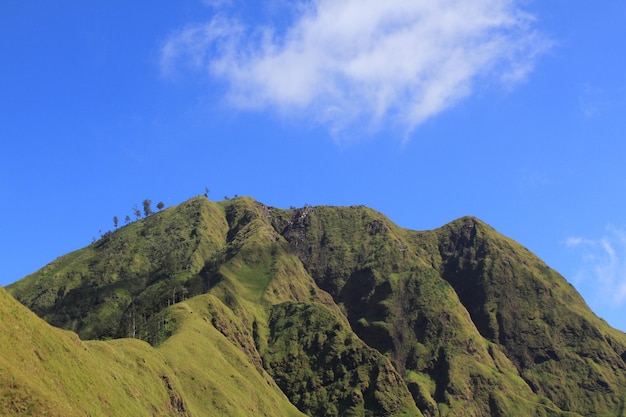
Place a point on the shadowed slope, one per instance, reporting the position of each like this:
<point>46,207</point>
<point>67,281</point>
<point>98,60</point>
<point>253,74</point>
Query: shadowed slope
<point>560,347</point>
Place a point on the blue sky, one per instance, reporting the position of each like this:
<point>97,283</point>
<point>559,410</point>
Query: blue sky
<point>512,111</point>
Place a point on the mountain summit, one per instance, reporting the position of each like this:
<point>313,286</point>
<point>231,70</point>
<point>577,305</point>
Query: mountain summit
<point>325,311</point>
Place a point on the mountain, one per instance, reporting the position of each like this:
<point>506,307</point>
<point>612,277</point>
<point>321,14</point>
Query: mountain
<point>245,309</point>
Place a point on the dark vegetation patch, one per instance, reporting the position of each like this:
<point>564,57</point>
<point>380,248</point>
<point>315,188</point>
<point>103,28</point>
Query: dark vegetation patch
<point>325,370</point>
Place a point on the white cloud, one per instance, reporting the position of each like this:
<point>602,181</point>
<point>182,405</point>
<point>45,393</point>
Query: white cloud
<point>603,266</point>
<point>346,62</point>
<point>572,242</point>
<point>591,100</point>
<point>534,180</point>
<point>197,45</point>
<point>217,3</point>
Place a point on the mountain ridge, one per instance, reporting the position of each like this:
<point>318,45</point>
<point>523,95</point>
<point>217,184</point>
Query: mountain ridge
<point>462,320</point>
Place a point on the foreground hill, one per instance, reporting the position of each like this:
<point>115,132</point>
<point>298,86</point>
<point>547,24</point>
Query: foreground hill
<point>253,310</point>
<point>48,371</point>
<point>45,371</point>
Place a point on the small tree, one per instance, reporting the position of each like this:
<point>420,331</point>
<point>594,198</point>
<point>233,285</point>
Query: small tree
<point>146,207</point>
<point>136,212</point>
<point>206,192</point>
<point>127,219</point>
<point>115,221</point>
<point>160,205</point>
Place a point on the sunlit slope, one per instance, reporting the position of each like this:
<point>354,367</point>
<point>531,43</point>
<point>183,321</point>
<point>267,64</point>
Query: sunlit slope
<point>46,371</point>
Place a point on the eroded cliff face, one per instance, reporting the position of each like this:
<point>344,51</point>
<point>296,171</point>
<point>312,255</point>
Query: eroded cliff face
<point>347,313</point>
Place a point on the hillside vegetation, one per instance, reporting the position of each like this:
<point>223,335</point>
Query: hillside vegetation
<point>243,309</point>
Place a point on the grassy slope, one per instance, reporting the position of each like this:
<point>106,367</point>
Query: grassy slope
<point>48,371</point>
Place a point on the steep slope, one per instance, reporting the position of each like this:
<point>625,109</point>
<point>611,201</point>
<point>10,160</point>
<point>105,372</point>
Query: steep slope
<point>341,311</point>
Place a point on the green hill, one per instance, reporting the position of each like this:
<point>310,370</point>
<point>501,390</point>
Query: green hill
<point>253,310</point>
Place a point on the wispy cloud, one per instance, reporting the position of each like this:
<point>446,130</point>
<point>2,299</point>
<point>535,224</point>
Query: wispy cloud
<point>532,180</point>
<point>349,63</point>
<point>603,265</point>
<point>591,100</point>
<point>217,3</point>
